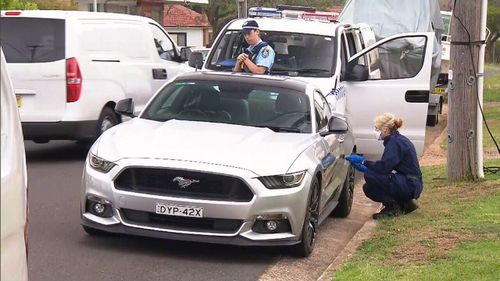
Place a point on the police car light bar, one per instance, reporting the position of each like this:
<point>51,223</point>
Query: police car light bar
<point>264,12</point>
<point>296,8</point>
<point>321,16</point>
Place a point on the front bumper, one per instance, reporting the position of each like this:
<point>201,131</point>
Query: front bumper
<point>288,203</point>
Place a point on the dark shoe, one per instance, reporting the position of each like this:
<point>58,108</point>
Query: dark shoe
<point>409,206</point>
<point>389,210</point>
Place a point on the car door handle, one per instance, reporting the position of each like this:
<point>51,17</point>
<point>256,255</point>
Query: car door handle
<point>159,73</point>
<point>417,96</point>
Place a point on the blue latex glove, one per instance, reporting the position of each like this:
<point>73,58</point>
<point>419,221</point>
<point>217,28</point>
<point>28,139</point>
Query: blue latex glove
<point>355,158</point>
<point>361,168</point>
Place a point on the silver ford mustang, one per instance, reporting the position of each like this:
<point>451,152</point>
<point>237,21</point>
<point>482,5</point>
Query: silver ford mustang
<point>222,158</point>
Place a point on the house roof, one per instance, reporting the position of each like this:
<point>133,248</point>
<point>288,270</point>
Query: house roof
<point>178,15</point>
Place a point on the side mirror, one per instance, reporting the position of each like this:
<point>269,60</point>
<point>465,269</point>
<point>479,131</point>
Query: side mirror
<point>125,107</point>
<point>185,53</point>
<point>357,72</point>
<point>336,125</point>
<point>196,60</point>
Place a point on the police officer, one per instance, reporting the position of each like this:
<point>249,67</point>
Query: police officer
<point>259,56</point>
<point>396,179</point>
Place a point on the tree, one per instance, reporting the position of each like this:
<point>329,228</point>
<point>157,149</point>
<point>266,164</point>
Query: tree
<point>17,5</point>
<point>493,24</point>
<point>56,5</point>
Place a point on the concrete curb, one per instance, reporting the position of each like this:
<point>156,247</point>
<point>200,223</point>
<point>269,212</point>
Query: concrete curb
<point>363,234</point>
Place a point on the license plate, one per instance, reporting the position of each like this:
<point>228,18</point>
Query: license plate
<point>181,211</point>
<point>19,101</point>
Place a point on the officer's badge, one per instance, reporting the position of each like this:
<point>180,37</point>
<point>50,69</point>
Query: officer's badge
<point>265,53</point>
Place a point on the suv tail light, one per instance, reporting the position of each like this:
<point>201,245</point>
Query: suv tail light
<point>73,80</point>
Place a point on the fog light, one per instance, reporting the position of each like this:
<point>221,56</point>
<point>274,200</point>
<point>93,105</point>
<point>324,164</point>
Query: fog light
<point>271,225</point>
<point>99,208</point>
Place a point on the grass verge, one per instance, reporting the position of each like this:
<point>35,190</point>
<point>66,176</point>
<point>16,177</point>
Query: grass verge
<point>455,235</point>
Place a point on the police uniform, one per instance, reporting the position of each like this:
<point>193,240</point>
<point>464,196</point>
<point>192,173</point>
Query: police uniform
<point>264,57</point>
<point>397,177</point>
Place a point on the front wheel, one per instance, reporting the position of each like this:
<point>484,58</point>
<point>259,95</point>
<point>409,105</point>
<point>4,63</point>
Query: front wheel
<point>344,207</point>
<point>310,227</point>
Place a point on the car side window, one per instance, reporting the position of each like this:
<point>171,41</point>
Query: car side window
<point>321,111</point>
<point>163,44</point>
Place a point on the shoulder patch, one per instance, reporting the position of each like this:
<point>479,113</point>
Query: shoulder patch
<point>265,52</point>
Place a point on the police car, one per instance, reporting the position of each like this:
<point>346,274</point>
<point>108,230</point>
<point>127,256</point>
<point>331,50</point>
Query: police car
<point>359,77</point>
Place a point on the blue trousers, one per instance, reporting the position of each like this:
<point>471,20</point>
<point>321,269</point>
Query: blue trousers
<point>390,188</point>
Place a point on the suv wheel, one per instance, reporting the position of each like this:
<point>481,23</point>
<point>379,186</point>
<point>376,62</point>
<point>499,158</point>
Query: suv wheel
<point>310,227</point>
<point>344,207</point>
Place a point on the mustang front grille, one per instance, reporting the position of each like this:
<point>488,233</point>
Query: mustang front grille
<point>180,183</point>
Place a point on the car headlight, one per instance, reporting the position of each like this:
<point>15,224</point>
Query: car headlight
<point>283,181</point>
<point>100,164</point>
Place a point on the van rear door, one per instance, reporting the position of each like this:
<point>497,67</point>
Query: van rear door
<point>35,52</point>
<point>402,88</point>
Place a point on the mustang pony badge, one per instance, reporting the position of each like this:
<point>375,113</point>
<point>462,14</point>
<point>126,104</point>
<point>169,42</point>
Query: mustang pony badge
<point>183,183</point>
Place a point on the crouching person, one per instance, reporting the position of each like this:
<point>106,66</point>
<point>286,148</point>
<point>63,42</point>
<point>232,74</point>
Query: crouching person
<point>396,179</point>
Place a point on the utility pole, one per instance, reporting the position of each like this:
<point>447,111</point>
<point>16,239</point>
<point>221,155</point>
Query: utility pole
<point>242,8</point>
<point>463,94</point>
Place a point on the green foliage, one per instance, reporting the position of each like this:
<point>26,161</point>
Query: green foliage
<point>453,236</point>
<point>56,5</point>
<point>17,5</point>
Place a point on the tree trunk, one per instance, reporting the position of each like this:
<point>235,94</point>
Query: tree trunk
<point>462,127</point>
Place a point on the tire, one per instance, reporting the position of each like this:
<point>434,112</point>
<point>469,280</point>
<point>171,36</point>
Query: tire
<point>94,232</point>
<point>432,120</point>
<point>310,226</point>
<point>344,207</point>
<point>107,120</point>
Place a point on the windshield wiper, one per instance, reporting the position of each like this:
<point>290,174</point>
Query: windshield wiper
<point>280,129</point>
<point>312,70</point>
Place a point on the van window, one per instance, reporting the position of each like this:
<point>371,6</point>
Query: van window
<point>32,40</point>
<point>163,44</point>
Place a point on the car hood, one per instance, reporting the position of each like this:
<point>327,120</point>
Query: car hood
<point>260,150</point>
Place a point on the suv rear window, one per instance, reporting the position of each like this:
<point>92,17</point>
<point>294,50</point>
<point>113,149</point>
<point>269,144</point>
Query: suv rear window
<point>32,40</point>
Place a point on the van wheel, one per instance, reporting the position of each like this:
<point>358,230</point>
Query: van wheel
<point>344,207</point>
<point>107,120</point>
<point>310,227</point>
<point>432,120</point>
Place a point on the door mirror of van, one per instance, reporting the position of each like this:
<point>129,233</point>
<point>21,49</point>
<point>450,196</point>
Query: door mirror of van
<point>196,60</point>
<point>125,107</point>
<point>185,53</point>
<point>357,72</point>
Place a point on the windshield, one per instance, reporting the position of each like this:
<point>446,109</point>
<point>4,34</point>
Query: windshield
<point>279,109</point>
<point>296,54</point>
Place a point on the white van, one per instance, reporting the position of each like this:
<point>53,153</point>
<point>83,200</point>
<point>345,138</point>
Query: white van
<point>69,68</point>
<point>14,185</point>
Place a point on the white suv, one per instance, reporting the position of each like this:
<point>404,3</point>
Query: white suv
<point>69,68</point>
<point>14,185</point>
<point>359,78</point>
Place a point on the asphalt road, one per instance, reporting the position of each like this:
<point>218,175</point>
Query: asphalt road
<point>60,250</point>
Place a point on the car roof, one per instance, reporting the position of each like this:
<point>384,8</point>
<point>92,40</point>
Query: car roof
<point>290,25</point>
<point>241,77</point>
<point>60,14</point>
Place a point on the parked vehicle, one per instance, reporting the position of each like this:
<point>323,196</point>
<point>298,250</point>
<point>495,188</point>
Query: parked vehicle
<point>14,185</point>
<point>389,18</point>
<point>360,78</point>
<point>70,68</point>
<point>222,158</point>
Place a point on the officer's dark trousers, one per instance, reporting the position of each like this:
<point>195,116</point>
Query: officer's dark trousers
<point>390,188</point>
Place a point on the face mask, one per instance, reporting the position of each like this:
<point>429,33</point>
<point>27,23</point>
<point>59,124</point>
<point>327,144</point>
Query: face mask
<point>378,135</point>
